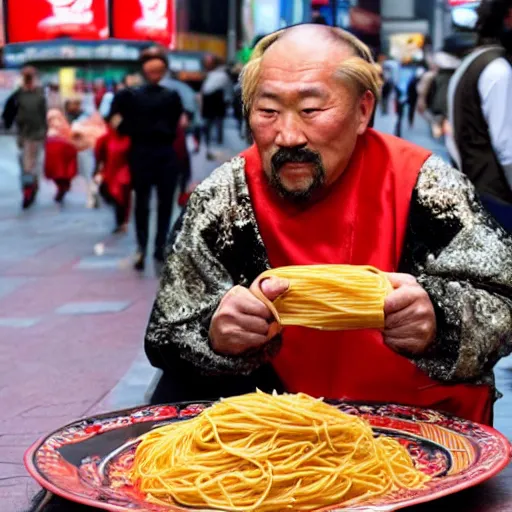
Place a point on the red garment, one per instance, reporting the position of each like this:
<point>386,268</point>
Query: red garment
<point>361,221</point>
<point>180,147</point>
<point>60,159</point>
<point>112,150</point>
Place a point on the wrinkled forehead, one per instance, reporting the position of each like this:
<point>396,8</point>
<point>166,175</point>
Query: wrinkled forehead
<point>300,72</point>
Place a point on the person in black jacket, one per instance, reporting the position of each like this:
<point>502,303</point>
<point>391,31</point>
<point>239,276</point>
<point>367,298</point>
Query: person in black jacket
<point>150,116</point>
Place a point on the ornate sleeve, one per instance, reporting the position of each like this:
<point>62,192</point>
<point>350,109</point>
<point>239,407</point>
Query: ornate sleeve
<point>201,267</point>
<point>463,259</point>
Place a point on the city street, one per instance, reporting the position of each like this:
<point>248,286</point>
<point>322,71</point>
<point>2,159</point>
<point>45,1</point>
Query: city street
<point>72,321</point>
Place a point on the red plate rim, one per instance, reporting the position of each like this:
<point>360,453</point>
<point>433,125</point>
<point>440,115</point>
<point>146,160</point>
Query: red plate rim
<point>70,496</point>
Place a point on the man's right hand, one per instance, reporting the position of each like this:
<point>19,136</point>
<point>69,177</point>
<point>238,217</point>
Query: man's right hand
<point>242,321</point>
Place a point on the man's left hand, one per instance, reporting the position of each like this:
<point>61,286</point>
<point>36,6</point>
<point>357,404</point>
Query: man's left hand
<point>410,320</point>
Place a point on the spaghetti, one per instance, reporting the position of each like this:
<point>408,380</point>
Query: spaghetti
<point>330,297</point>
<point>262,452</point>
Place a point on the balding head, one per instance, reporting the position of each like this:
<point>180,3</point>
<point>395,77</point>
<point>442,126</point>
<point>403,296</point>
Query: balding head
<point>317,37</point>
<point>309,43</point>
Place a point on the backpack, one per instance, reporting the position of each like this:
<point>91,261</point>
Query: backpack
<point>10,110</point>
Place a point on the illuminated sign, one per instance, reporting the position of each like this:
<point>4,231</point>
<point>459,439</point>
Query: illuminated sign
<point>35,20</point>
<point>149,20</point>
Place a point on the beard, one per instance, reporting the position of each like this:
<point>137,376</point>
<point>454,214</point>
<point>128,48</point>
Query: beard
<point>297,155</point>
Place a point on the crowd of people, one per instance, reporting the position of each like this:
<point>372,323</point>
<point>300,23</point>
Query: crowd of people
<point>127,142</point>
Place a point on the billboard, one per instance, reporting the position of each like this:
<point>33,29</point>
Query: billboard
<point>149,20</point>
<point>37,20</point>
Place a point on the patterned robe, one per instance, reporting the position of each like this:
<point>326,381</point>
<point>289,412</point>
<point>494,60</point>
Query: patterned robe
<point>457,252</point>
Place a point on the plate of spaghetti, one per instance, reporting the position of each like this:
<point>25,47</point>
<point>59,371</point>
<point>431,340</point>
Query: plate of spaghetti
<point>265,453</point>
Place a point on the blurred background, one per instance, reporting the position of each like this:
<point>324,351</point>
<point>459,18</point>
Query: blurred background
<point>77,43</point>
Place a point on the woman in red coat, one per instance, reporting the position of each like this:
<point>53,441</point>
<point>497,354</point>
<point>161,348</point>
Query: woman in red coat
<point>60,164</point>
<point>113,174</point>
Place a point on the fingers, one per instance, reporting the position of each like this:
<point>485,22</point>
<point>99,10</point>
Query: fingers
<point>397,280</point>
<point>403,297</point>
<point>233,341</point>
<point>243,301</point>
<point>253,324</point>
<point>273,287</point>
<point>240,323</point>
<point>410,322</point>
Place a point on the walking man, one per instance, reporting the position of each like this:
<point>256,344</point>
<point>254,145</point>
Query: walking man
<point>150,117</point>
<point>32,126</point>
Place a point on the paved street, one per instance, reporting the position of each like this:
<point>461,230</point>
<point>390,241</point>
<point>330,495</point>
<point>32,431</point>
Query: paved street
<point>72,321</point>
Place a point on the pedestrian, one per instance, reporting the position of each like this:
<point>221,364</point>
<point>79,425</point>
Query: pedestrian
<point>480,102</point>
<point>434,91</point>
<point>86,127</point>
<point>216,92</point>
<point>412,95</point>
<point>30,115</point>
<point>400,102</point>
<point>112,173</point>
<point>388,87</point>
<point>150,116</point>
<point>320,187</point>
<point>61,155</point>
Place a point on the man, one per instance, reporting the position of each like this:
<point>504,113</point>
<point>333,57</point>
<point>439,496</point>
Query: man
<point>150,116</point>
<point>216,92</point>
<point>319,187</point>
<point>32,125</point>
<point>480,99</point>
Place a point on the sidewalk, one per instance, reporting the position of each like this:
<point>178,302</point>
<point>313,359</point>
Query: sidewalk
<point>71,321</point>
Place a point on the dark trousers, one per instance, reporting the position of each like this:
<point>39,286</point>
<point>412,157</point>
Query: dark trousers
<point>218,123</point>
<point>121,209</point>
<point>153,167</point>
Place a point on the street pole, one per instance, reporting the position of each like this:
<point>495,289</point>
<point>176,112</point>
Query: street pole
<point>232,30</point>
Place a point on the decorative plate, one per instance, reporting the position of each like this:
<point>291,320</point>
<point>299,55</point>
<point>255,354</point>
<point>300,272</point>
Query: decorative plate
<point>88,461</point>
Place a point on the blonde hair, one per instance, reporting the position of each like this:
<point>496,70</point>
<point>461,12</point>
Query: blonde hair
<point>360,71</point>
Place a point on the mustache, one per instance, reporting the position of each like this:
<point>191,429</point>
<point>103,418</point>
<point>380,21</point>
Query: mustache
<point>295,155</point>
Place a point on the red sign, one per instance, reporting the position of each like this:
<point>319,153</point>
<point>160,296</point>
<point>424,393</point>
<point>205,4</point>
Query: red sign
<point>365,21</point>
<point>461,2</point>
<point>149,20</point>
<point>35,20</point>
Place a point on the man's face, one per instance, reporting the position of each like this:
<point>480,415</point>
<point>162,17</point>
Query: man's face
<point>154,70</point>
<point>29,76</point>
<point>304,120</point>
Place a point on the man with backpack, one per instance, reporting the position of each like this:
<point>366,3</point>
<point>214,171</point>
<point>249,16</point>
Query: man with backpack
<point>27,108</point>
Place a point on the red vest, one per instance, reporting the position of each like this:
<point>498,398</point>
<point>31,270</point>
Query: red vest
<point>361,221</point>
